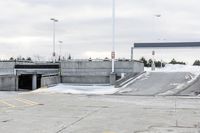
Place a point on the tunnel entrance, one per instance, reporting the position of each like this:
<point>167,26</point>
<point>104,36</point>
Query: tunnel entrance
<point>25,81</point>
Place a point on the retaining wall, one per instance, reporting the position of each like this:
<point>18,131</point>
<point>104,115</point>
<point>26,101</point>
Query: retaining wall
<point>96,71</point>
<point>50,80</point>
<point>7,83</point>
<point>7,68</point>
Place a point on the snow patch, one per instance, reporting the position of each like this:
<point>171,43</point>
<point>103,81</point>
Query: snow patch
<point>80,89</point>
<point>177,68</point>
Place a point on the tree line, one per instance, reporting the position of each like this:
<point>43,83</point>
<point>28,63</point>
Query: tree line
<point>20,59</point>
<point>196,63</point>
<point>147,63</point>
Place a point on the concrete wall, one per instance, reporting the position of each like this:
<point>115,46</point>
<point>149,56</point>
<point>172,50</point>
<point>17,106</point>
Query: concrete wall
<point>7,68</point>
<point>138,67</point>
<point>96,71</point>
<point>89,72</point>
<point>7,83</point>
<point>86,79</point>
<point>50,80</point>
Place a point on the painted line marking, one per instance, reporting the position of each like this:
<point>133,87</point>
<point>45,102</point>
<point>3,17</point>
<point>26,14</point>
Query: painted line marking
<point>22,100</point>
<point>7,104</point>
<point>26,101</point>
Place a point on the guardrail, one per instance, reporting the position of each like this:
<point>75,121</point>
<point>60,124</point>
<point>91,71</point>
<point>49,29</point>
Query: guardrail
<point>120,82</point>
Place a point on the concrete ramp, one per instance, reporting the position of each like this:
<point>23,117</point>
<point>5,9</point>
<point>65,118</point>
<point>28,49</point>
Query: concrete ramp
<point>156,83</point>
<point>191,90</point>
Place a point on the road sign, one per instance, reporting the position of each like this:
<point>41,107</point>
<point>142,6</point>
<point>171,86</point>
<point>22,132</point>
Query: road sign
<point>153,52</point>
<point>113,55</point>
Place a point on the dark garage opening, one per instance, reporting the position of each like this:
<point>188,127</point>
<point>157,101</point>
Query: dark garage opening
<point>25,81</point>
<point>39,81</point>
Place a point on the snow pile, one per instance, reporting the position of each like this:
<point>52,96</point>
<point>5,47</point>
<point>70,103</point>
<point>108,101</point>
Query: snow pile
<point>177,68</point>
<point>80,89</point>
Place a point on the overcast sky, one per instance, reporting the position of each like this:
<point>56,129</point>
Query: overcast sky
<point>85,27</point>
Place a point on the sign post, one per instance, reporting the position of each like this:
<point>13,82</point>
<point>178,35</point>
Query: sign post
<point>153,61</point>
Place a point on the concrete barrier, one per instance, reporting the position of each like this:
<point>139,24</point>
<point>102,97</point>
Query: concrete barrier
<point>50,80</point>
<point>138,67</point>
<point>7,68</point>
<point>97,72</point>
<point>86,79</point>
<point>7,83</point>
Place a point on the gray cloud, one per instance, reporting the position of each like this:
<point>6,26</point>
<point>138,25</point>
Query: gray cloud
<point>85,27</point>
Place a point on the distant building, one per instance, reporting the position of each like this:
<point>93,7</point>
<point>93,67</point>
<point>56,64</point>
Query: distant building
<point>167,44</point>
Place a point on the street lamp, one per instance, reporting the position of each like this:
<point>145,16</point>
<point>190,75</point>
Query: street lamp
<point>54,53</point>
<point>60,42</point>
<point>113,38</point>
<point>132,48</point>
<point>159,16</point>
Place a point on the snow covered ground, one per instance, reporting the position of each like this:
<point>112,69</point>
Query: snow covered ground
<point>80,89</point>
<point>176,68</point>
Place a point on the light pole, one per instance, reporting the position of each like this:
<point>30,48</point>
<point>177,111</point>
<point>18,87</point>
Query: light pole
<point>113,38</point>
<point>54,41</point>
<point>153,67</point>
<point>158,16</point>
<point>60,50</point>
<point>132,48</point>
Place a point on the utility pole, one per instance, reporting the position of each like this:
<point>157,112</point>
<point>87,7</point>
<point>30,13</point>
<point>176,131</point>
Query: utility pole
<point>60,54</point>
<point>113,75</point>
<point>54,39</point>
<point>132,48</point>
<point>113,38</point>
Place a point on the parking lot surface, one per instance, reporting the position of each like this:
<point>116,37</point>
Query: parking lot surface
<point>64,113</point>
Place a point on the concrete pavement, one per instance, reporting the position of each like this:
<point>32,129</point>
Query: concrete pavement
<point>63,113</point>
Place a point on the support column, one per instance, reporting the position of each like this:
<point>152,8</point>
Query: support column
<point>112,78</point>
<point>34,82</point>
<point>16,83</point>
<point>132,53</point>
